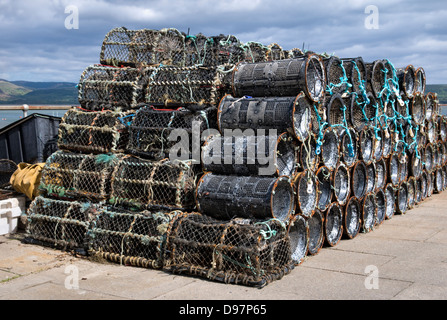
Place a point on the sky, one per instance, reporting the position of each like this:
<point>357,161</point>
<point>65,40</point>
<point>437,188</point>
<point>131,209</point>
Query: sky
<point>40,40</point>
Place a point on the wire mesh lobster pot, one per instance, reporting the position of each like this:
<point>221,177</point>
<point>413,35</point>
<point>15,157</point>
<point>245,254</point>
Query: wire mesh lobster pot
<point>431,128</point>
<point>371,174</point>
<point>275,52</point>
<point>381,206</point>
<point>255,197</point>
<point>351,218</point>
<point>155,133</point>
<point>366,145</point>
<point>69,175</point>
<point>250,155</point>
<point>402,198</point>
<point>390,201</point>
<point>292,114</point>
<point>417,108</point>
<point>236,251</point>
<point>333,224</point>
<point>286,77</point>
<point>442,128</point>
<point>316,233</point>
<point>406,80</point>
<point>431,105</point>
<point>180,86</point>
<point>356,72</point>
<point>359,181</point>
<point>349,147</point>
<point>223,49</point>
<point>430,183</point>
<point>420,80</point>
<point>94,131</point>
<point>7,168</point>
<point>153,185</point>
<point>255,52</point>
<point>123,47</point>
<point>307,156</point>
<point>377,145</point>
<point>428,157</point>
<point>60,223</point>
<point>423,185</point>
<point>381,174</point>
<point>362,109</point>
<point>337,115</point>
<point>129,238</point>
<point>341,184</point>
<point>325,191</point>
<point>298,231</point>
<point>109,88</point>
<point>376,77</point>
<point>369,212</point>
<point>330,152</point>
<point>306,189</point>
<point>387,143</point>
<point>337,79</point>
<point>411,185</point>
<point>394,169</point>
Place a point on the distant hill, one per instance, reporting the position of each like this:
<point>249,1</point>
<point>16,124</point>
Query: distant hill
<point>20,92</point>
<point>440,89</point>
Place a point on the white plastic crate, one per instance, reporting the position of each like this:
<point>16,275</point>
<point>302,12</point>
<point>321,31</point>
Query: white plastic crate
<point>10,211</point>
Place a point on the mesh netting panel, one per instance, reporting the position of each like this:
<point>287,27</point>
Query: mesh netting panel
<point>306,189</point>
<point>105,87</point>
<point>94,132</point>
<point>359,178</point>
<point>250,155</point>
<point>227,196</point>
<point>143,47</point>
<point>369,212</point>
<point>155,133</point>
<point>129,238</point>
<point>324,188</point>
<point>286,77</point>
<point>74,175</point>
<point>316,233</point>
<point>164,184</point>
<point>7,168</point>
<point>341,184</point>
<point>298,231</point>
<point>333,224</point>
<point>381,206</point>
<point>330,153</point>
<point>351,218</point>
<point>237,251</point>
<point>60,223</point>
<point>281,113</point>
<point>390,201</point>
<point>185,85</point>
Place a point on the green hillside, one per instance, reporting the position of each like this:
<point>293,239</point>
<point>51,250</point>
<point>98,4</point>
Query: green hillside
<point>10,90</point>
<point>440,89</point>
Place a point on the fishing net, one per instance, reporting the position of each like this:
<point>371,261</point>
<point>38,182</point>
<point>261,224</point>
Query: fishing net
<point>109,88</point>
<point>286,77</point>
<point>298,231</point>
<point>250,155</point>
<point>306,189</point>
<point>237,251</point>
<point>316,233</point>
<point>369,212</point>
<point>255,197</point>
<point>123,47</point>
<point>94,131</point>
<point>324,188</point>
<point>341,184</point>
<point>69,175</point>
<point>290,114</point>
<point>129,238</point>
<point>351,218</point>
<point>60,223</point>
<point>333,224</point>
<point>179,86</point>
<point>359,179</point>
<point>7,168</point>
<point>153,185</point>
<point>158,134</point>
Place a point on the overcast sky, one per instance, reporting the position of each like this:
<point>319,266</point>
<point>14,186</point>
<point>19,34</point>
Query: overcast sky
<point>35,44</point>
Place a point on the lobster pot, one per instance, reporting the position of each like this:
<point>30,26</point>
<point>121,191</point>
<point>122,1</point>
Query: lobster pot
<point>417,108</point>
<point>378,145</point>
<point>366,145</point>
<point>324,188</point>
<point>390,203</point>
<point>363,109</point>
<point>129,238</point>
<point>123,47</point>
<point>255,52</point>
<point>179,86</point>
<point>351,218</point>
<point>430,183</point>
<point>306,189</point>
<point>423,185</point>
<point>387,143</point>
<point>349,147</point>
<point>431,128</point>
<point>7,168</point>
<point>292,114</point>
<point>298,231</point>
<point>431,105</point>
<point>394,168</point>
<point>376,77</point>
<point>420,81</point>
<point>250,155</point>
<point>428,157</point>
<point>60,223</point>
<point>256,197</point>
<point>308,158</point>
<point>442,128</point>
<point>402,198</point>
<point>316,233</point>
<point>341,184</point>
<point>286,77</point>
<point>411,185</point>
<point>337,79</point>
<point>337,115</point>
<point>69,175</point>
<point>94,131</point>
<point>407,81</point>
<point>359,183</point>
<point>369,212</point>
<point>104,87</point>
<point>371,174</point>
<point>153,185</point>
<point>381,206</point>
<point>330,152</point>
<point>333,224</point>
<point>275,52</point>
<point>381,174</point>
<point>356,72</point>
<point>158,134</point>
<point>236,251</point>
